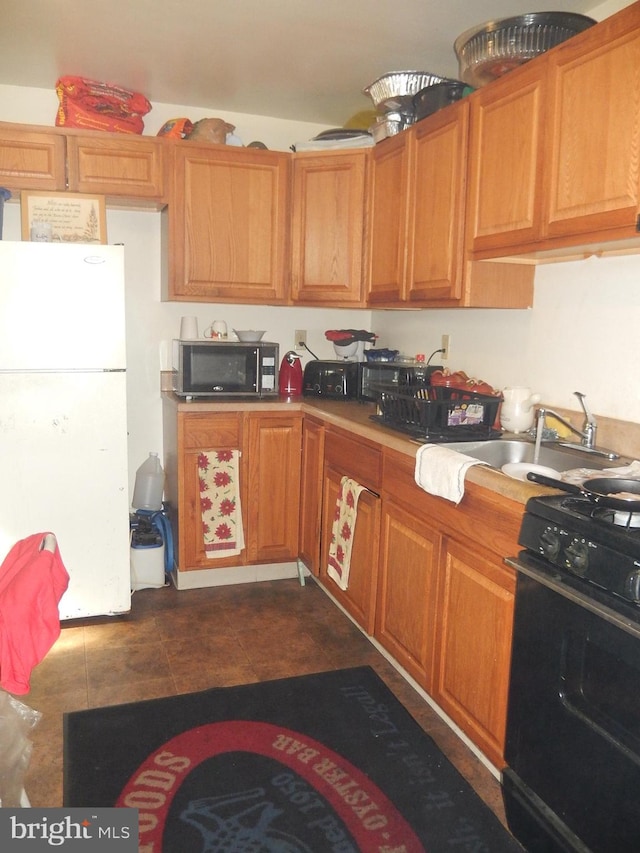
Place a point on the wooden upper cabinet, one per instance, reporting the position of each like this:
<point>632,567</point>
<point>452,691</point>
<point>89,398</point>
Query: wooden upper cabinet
<point>327,222</point>
<point>31,158</point>
<point>116,165</point>
<point>388,208</point>
<point>506,160</point>
<point>438,206</point>
<point>416,212</point>
<point>594,142</point>
<point>226,225</point>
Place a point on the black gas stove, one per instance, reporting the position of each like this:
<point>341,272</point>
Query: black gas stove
<point>572,746</point>
<point>594,549</point>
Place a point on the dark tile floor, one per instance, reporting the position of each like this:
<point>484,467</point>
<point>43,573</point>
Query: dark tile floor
<point>176,642</point>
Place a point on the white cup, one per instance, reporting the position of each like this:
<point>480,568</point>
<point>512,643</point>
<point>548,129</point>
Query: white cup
<point>189,329</point>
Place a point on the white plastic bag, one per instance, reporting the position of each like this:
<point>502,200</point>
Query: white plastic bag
<point>16,721</point>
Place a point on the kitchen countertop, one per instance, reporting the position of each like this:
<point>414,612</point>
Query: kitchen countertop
<point>354,417</point>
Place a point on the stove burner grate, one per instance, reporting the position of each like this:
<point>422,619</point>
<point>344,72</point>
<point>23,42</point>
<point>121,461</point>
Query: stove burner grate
<point>618,518</point>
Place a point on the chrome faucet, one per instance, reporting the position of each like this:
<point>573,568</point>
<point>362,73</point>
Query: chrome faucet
<point>587,435</point>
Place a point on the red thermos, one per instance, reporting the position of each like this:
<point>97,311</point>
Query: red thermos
<point>290,375</point>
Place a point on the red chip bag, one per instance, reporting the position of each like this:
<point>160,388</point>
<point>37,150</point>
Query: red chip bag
<point>92,105</point>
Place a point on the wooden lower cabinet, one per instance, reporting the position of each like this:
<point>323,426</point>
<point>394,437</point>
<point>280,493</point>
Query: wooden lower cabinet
<point>311,494</point>
<point>269,482</point>
<point>272,465</point>
<point>406,603</point>
<point>359,597</point>
<point>475,620</point>
<point>445,597</point>
<point>361,460</point>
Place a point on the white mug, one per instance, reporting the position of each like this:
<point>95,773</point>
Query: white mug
<point>217,330</point>
<point>189,329</point>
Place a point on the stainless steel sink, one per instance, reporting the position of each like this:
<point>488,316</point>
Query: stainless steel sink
<point>499,452</point>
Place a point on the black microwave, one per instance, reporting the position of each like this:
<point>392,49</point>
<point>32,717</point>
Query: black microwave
<point>219,368</point>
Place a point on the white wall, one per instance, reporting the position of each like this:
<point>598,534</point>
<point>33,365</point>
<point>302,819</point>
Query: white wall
<point>582,334</point>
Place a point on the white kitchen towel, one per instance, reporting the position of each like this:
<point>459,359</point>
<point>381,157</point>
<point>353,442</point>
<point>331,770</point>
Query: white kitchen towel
<point>222,529</point>
<point>342,531</point>
<point>441,471</point>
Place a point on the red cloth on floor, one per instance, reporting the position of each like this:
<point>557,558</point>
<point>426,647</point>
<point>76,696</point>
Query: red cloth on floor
<point>32,582</point>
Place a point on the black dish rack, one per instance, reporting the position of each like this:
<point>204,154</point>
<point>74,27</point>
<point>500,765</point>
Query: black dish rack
<point>437,413</point>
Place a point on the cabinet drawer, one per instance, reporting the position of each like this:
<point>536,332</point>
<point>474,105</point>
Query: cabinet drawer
<point>354,458</point>
<point>210,432</point>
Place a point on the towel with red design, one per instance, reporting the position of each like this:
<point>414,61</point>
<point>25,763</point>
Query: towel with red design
<point>218,471</point>
<point>342,531</point>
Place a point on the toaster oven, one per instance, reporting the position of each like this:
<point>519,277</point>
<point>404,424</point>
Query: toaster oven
<point>333,380</point>
<point>391,374</point>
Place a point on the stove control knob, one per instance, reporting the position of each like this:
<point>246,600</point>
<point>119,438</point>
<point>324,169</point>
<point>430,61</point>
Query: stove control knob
<point>550,543</point>
<point>632,586</point>
<point>577,557</point>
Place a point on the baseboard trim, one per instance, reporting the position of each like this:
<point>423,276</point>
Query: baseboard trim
<point>202,578</point>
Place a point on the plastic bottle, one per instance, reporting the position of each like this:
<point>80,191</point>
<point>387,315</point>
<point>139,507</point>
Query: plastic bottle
<point>420,369</point>
<point>149,485</point>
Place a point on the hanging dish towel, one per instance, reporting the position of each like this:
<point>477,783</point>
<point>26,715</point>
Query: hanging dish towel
<point>220,502</point>
<point>441,471</point>
<point>342,531</point>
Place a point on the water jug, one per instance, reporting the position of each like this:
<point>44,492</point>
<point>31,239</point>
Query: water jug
<point>516,412</point>
<point>149,485</point>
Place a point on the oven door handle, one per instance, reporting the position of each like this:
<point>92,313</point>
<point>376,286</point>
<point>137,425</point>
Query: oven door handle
<point>576,597</point>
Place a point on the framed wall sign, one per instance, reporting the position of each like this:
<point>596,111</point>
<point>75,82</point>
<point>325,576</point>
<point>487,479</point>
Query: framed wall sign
<point>49,217</point>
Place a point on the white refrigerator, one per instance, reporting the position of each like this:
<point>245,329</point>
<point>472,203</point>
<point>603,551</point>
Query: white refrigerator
<point>63,416</point>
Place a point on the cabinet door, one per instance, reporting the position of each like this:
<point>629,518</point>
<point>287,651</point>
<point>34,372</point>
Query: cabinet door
<point>198,433</point>
<point>389,187</point>
<point>476,613</point>
<point>311,494</point>
<point>273,488</point>
<point>438,206</point>
<point>226,225</point>
<point>594,162</point>
<point>327,228</point>
<point>128,166</point>
<point>406,602</point>
<point>359,597</point>
<point>31,159</point>
<point>506,167</point>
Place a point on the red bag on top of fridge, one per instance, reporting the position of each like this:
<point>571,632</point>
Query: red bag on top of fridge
<point>91,105</point>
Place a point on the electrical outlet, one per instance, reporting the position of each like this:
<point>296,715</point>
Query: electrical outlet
<point>300,340</point>
<point>446,342</point>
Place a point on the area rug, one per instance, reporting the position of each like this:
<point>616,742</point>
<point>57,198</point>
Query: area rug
<point>323,762</point>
